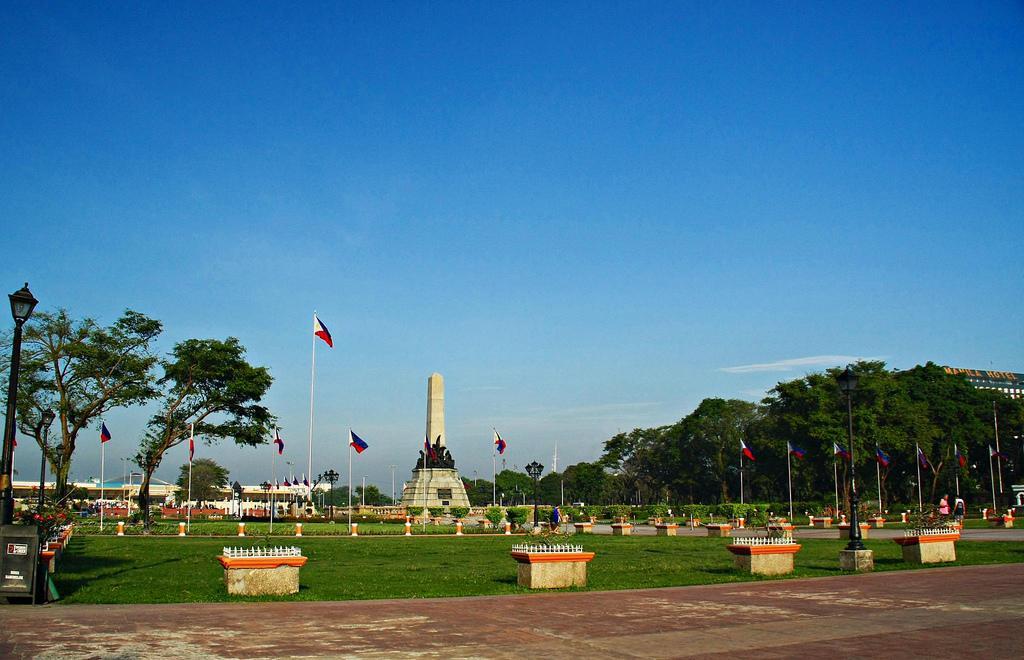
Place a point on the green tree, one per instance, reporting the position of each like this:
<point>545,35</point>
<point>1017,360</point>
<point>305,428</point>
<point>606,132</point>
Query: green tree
<point>81,370</point>
<point>515,485</point>
<point>586,482</point>
<point>208,479</point>
<point>209,384</point>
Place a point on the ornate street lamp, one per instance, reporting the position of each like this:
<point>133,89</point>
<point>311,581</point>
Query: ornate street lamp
<point>534,469</point>
<point>44,428</point>
<point>22,304</point>
<point>847,384</point>
<point>331,477</point>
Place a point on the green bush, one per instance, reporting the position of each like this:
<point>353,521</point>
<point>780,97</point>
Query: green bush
<point>436,511</point>
<point>495,515</point>
<point>593,510</point>
<point>657,511</point>
<point>459,512</point>
<point>517,515</point>
<point>617,511</point>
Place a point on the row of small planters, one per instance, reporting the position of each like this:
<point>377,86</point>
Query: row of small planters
<point>50,552</point>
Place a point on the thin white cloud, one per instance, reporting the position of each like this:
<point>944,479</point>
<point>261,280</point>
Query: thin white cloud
<point>793,363</point>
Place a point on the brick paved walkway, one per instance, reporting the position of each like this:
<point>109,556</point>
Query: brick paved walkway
<point>955,612</point>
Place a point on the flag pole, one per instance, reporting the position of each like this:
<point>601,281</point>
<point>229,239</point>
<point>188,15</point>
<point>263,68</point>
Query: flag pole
<point>192,439</point>
<point>494,469</point>
<point>917,459</point>
<point>956,472</point>
<point>991,477</point>
<point>835,476</point>
<point>273,480</point>
<point>789,474</point>
<point>999,464</point>
<point>312,382</point>
<point>103,450</point>
<point>741,474</point>
<point>878,474</point>
<point>350,481</point>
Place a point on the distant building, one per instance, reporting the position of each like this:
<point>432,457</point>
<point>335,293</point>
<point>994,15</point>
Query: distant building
<point>1007,382</point>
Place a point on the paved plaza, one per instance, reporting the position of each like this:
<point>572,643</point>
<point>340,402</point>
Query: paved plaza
<point>952,612</point>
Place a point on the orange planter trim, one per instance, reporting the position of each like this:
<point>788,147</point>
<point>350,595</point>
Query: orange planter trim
<point>260,562</point>
<point>788,549</point>
<point>549,557</point>
<point>931,538</point>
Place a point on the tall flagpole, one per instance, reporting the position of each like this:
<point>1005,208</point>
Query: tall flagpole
<point>273,479</point>
<point>999,464</point>
<point>956,472</point>
<point>835,474</point>
<point>192,440</point>
<point>350,481</point>
<point>312,382</point>
<point>917,459</point>
<point>741,475</point>
<point>991,477</point>
<point>878,475</point>
<point>103,453</point>
<point>789,474</point>
<point>494,468</point>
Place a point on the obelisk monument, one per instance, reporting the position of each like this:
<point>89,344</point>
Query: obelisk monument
<point>435,481</point>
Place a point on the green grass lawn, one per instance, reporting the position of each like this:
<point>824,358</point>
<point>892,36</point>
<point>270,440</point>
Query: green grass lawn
<point>259,529</point>
<point>101,569</point>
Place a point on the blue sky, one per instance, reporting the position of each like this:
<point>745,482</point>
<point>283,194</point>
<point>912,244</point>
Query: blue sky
<point>587,217</point>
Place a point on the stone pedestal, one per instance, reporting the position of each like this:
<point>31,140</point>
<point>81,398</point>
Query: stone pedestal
<point>929,549</point>
<point>666,529</point>
<point>859,561</point>
<point>820,522</point>
<point>719,530</point>
<point>584,527</point>
<point>774,559</point>
<point>878,522</point>
<point>262,576</point>
<point>555,570</point>
<point>844,530</point>
<point>622,529</point>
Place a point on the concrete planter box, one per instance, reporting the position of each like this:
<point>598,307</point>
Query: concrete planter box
<point>1001,521</point>
<point>929,548</point>
<point>261,575</point>
<point>622,529</point>
<point>820,522</point>
<point>539,569</point>
<point>584,527</point>
<point>878,522</point>
<point>768,559</point>
<point>780,527</point>
<point>666,529</point>
<point>844,530</point>
<point>719,530</point>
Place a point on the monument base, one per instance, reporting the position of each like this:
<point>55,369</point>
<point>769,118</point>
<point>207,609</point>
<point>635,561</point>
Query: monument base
<point>434,487</point>
<point>859,561</point>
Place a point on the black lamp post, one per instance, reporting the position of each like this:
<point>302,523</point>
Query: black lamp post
<point>534,469</point>
<point>331,477</point>
<point>44,427</point>
<point>22,304</point>
<point>847,384</point>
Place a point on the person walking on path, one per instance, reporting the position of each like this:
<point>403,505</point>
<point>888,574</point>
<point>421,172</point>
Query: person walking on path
<point>944,506</point>
<point>556,518</point>
<point>959,509</point>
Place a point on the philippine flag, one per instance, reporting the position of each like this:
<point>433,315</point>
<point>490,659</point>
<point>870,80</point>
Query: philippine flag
<point>191,448</point>
<point>839,451</point>
<point>746,450</point>
<point>104,434</point>
<point>795,451</point>
<point>278,441</point>
<point>997,454</point>
<point>499,442</point>
<point>960,458</point>
<point>321,331</point>
<point>287,484</point>
<point>356,442</point>
<point>881,457</point>
<point>922,459</point>
<point>305,481</point>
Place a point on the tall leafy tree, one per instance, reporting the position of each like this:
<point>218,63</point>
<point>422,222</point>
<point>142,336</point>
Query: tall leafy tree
<point>208,479</point>
<point>81,370</point>
<point>207,383</point>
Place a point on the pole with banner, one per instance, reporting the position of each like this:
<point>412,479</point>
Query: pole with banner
<point>104,438</point>
<point>191,453</point>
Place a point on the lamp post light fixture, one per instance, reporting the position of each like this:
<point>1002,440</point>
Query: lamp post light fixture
<point>22,304</point>
<point>534,469</point>
<point>847,384</point>
<point>44,428</point>
<point>331,477</point>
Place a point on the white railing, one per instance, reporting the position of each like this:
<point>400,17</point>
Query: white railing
<point>277,551</point>
<point>546,548</point>
<point>763,540</point>
<point>931,531</point>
